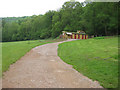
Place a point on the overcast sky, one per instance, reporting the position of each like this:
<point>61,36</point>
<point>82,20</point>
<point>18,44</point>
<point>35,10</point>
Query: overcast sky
<point>16,8</point>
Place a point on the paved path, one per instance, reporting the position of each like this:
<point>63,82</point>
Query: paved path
<point>42,68</point>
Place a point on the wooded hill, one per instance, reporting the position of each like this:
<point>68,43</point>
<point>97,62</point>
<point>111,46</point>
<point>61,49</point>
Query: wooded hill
<point>95,18</point>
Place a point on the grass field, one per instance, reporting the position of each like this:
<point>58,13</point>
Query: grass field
<point>12,51</point>
<point>94,58</point>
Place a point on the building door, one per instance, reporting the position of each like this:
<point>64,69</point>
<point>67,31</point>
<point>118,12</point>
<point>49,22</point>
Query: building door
<point>82,36</point>
<point>78,36</point>
<point>85,36</point>
<point>71,36</point>
<point>75,36</point>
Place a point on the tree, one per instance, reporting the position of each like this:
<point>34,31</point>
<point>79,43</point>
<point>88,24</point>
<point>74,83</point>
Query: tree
<point>95,18</point>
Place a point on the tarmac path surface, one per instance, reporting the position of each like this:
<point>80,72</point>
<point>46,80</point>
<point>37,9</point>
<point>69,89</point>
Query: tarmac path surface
<point>42,68</point>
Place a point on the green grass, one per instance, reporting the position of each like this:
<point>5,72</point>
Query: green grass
<point>94,58</point>
<point>13,51</point>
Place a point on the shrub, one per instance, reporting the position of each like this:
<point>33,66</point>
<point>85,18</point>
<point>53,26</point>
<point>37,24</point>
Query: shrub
<point>98,37</point>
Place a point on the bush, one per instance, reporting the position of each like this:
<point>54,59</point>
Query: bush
<point>98,37</point>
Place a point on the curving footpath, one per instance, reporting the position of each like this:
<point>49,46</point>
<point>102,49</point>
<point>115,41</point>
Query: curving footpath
<point>42,68</point>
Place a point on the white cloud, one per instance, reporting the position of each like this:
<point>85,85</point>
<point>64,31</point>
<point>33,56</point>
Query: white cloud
<point>10,8</point>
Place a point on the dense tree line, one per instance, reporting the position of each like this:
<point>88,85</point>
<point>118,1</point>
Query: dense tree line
<point>95,18</point>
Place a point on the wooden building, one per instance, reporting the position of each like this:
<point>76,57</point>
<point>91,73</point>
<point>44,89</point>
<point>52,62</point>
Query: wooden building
<point>74,35</point>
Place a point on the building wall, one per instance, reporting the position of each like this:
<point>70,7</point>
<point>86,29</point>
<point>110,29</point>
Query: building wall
<point>78,36</point>
<point>75,36</point>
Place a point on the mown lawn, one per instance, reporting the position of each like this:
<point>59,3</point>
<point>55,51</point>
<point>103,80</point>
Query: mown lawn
<point>94,58</point>
<point>13,51</point>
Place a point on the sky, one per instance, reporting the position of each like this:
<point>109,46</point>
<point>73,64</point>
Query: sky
<point>18,8</point>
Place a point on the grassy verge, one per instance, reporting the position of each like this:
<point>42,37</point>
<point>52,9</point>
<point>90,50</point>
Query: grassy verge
<point>94,58</point>
<point>12,51</point>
